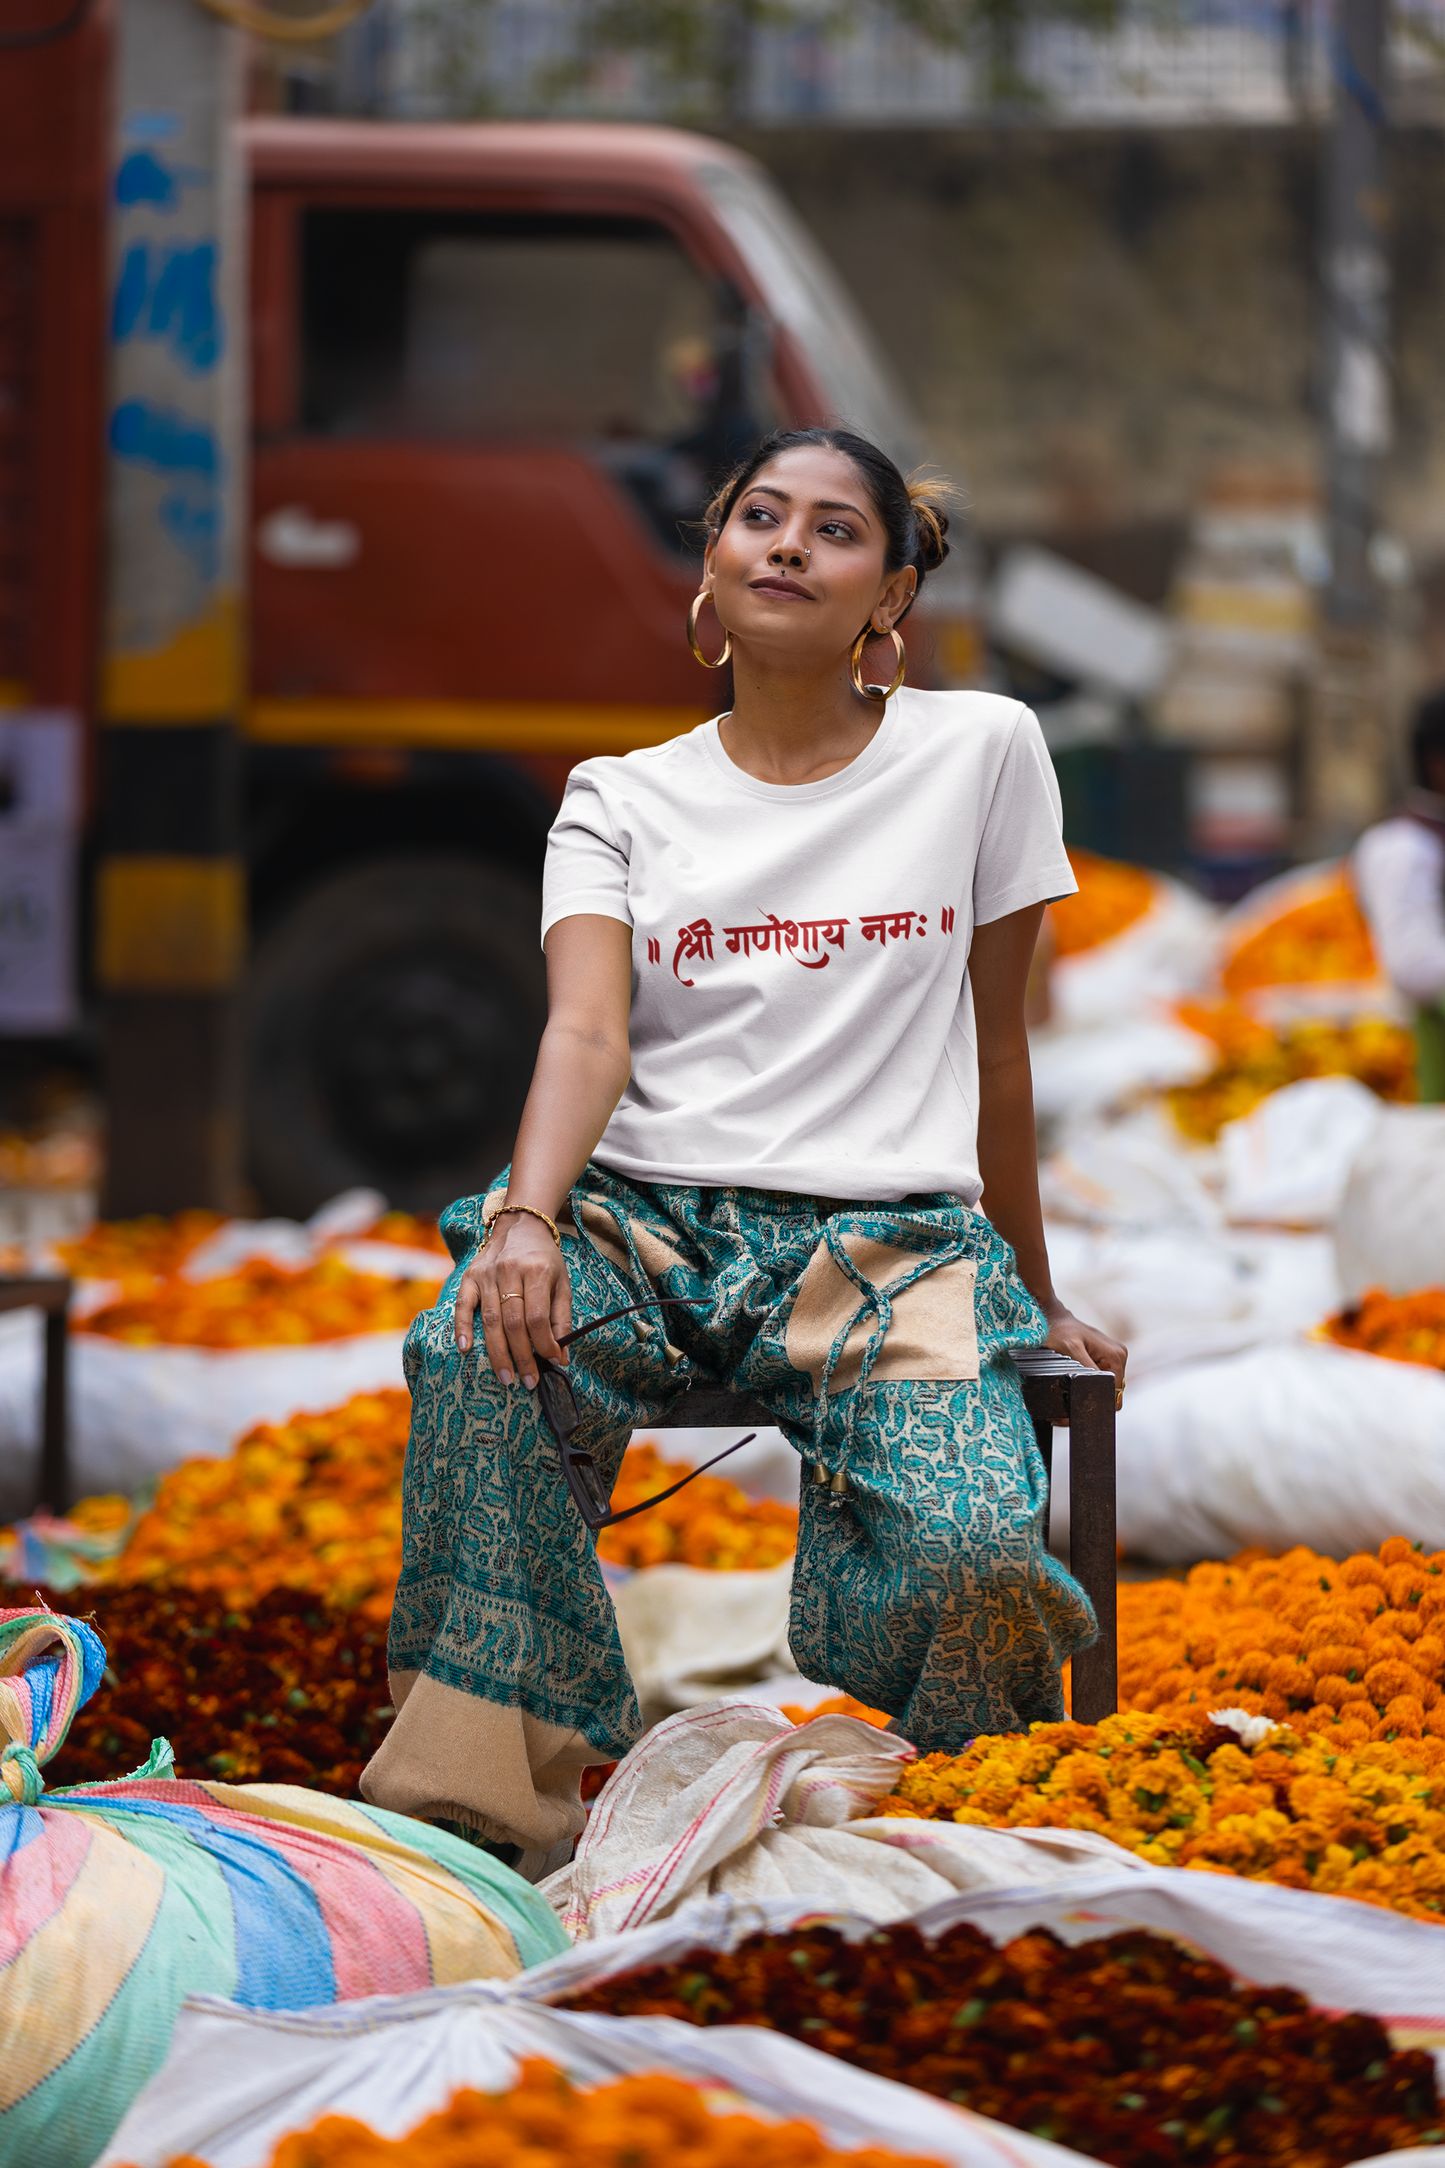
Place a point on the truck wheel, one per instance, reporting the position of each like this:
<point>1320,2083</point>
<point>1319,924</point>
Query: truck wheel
<point>393,1019</point>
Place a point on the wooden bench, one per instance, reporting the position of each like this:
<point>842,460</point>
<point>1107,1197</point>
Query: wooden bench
<point>51,1296</point>
<point>1057,1391</point>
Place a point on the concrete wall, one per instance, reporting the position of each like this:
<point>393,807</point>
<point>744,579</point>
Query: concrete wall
<point>1091,322</point>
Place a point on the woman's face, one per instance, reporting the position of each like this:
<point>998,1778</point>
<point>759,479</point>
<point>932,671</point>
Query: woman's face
<point>798,568</point>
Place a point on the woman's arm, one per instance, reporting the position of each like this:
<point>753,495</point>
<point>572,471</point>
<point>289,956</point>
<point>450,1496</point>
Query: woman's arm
<point>582,1069</point>
<point>998,969</point>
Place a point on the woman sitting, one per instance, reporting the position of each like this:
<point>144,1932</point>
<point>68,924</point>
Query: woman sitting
<point>785,1058</point>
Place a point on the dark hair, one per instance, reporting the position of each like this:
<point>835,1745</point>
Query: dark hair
<point>1427,737</point>
<point>914,521</point>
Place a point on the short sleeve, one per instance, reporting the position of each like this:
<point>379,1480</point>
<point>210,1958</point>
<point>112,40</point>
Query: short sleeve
<point>587,865</point>
<point>1021,856</point>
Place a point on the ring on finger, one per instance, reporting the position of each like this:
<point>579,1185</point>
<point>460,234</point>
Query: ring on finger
<point>515,1296</point>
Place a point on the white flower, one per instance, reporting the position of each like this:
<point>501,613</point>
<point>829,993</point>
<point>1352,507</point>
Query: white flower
<point>1252,1731</point>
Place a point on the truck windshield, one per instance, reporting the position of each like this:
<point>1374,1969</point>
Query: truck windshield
<point>806,296</point>
<point>600,332</point>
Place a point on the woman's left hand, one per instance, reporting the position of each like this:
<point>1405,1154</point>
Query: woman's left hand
<point>1088,1344</point>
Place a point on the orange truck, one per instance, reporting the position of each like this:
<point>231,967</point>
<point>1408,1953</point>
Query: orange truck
<point>495,371</point>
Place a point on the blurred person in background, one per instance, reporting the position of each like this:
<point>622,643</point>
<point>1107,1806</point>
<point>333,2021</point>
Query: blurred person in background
<point>784,1129</point>
<point>1399,877</point>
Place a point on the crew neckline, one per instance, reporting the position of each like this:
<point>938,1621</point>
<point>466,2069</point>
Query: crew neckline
<point>803,793</point>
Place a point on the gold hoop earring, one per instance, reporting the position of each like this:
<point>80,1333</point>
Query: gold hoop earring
<point>698,600</point>
<point>855,663</point>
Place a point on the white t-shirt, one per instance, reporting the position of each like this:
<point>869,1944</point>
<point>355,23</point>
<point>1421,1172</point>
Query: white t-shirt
<point>1399,870</point>
<point>801,1018</point>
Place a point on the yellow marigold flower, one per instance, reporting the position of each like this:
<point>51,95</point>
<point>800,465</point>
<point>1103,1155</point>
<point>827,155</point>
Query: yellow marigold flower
<point>1315,1810</point>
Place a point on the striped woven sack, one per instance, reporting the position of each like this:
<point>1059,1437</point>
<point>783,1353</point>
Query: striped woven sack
<point>118,1900</point>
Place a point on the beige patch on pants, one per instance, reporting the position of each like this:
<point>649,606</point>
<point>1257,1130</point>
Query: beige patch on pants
<point>505,1773</point>
<point>934,1332</point>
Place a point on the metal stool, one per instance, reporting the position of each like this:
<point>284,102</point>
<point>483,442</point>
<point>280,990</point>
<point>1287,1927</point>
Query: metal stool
<point>53,1297</point>
<point>1057,1390</point>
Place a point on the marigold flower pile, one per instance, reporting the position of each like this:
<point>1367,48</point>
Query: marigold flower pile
<point>261,1304</point>
<point>1347,1797</point>
<point>289,1691</point>
<point>315,1504</point>
<point>836,1705</point>
<point>1354,1651</point>
<point>1255,1061</point>
<point>138,1251</point>
<point>1405,1328</point>
<point>712,1523</point>
<point>1364,1821</point>
<point>1323,937</point>
<point>545,2121</point>
<point>1111,896</point>
<point>1129,2048</point>
<point>310,1504</point>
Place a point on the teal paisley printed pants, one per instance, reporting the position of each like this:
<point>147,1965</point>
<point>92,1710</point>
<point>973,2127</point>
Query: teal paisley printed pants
<point>875,1335</point>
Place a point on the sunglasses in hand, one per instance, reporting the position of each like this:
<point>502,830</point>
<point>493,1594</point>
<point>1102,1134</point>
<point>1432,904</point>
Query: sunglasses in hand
<point>559,1409</point>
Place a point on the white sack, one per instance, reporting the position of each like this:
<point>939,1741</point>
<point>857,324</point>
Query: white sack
<point>1391,1227</point>
<point>237,2080</point>
<point>691,1635</point>
<point>1084,1072</point>
<point>1134,1173</point>
<point>1291,1442</point>
<point>1343,1955</point>
<point>291,1244</point>
<point>136,1412</point>
<point>1288,1160</point>
<point>733,1801</point>
<point>1163,955</point>
<point>1177,1296</point>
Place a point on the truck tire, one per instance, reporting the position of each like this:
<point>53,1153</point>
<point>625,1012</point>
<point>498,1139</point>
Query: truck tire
<point>393,1017</point>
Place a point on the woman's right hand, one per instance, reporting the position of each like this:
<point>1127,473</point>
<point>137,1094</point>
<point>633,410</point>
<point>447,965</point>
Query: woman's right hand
<point>518,1286</point>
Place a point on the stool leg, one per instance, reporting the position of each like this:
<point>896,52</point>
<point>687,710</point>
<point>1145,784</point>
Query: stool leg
<point>1044,1437</point>
<point>54,1460</point>
<point>1093,1543</point>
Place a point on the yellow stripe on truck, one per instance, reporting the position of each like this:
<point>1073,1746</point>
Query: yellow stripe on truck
<point>169,925</point>
<point>482,726</point>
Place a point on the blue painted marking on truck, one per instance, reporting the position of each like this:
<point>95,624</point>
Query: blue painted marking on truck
<point>159,437</point>
<point>142,178</point>
<point>170,297</point>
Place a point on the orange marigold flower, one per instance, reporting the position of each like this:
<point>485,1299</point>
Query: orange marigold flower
<point>1314,1806</point>
<point>544,2121</point>
<point>1111,896</point>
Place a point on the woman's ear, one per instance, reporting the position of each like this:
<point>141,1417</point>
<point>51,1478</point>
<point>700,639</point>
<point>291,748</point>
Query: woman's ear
<point>709,559</point>
<point>897,593</point>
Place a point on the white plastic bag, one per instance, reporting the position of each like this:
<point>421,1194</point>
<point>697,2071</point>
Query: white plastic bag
<point>1175,1296</point>
<point>1138,1172</point>
<point>1083,1072</point>
<point>136,1412</point>
<point>237,2080</point>
<point>1391,1227</point>
<point>1166,953</point>
<point>1289,1159</point>
<point>1291,1442</point>
<point>691,1635</point>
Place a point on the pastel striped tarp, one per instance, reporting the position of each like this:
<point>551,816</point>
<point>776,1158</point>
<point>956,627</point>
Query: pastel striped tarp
<point>48,1666</point>
<point>119,1900</point>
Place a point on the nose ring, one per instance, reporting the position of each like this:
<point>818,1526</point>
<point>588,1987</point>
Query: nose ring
<point>800,548</point>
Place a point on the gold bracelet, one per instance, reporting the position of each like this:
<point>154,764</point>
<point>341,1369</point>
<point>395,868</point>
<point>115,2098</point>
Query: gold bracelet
<point>531,1209</point>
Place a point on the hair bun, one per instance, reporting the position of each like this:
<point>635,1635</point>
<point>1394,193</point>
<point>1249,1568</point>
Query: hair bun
<point>928,495</point>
